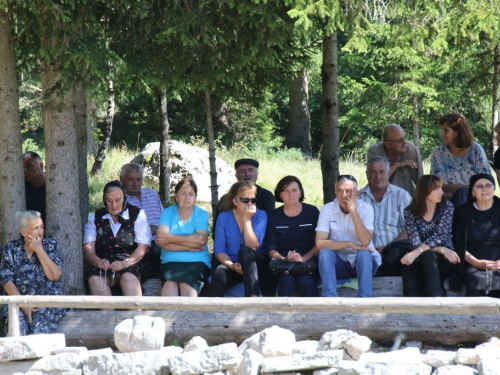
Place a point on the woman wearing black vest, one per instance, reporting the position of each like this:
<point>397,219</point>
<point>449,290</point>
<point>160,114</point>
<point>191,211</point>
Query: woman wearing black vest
<point>115,245</point>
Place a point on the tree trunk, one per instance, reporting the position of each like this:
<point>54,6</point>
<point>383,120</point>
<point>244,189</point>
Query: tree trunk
<point>12,198</point>
<point>91,125</point>
<point>330,152</point>
<point>299,127</point>
<point>101,153</point>
<point>494,115</point>
<point>80,103</point>
<point>414,120</point>
<point>61,165</point>
<point>211,152</point>
<point>164,149</point>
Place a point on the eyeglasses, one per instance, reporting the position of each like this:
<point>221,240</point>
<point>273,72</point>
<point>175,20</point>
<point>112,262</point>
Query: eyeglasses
<point>485,186</point>
<point>346,177</point>
<point>246,200</point>
<point>397,141</point>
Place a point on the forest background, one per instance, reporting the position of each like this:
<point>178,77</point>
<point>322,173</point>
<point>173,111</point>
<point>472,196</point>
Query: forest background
<point>321,77</point>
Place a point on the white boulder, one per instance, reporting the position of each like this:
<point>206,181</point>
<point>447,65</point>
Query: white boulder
<point>139,334</point>
<point>271,342</point>
<point>195,343</point>
<point>296,362</point>
<point>438,358</point>
<point>216,358</point>
<point>26,347</point>
<point>250,364</point>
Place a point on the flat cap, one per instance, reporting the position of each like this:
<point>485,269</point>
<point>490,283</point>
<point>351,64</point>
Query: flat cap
<point>239,162</point>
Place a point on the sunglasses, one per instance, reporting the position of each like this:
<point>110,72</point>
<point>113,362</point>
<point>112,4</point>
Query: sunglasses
<point>346,177</point>
<point>246,200</point>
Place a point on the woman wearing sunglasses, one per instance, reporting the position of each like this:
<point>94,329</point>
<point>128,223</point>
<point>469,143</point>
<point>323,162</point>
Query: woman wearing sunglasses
<point>291,234</point>
<point>238,242</point>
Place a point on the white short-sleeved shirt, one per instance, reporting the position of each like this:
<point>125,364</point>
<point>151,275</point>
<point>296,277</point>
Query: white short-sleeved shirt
<point>142,230</point>
<point>340,227</point>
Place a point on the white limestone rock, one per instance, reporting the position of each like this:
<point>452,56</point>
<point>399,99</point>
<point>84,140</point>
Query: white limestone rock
<point>414,344</point>
<point>326,371</point>
<point>27,347</point>
<point>250,364</point>
<point>186,160</point>
<point>354,344</point>
<point>195,343</point>
<point>59,364</point>
<point>407,355</point>
<point>357,368</point>
<point>489,366</point>
<point>438,358</point>
<point>139,334</point>
<point>324,359</point>
<point>305,347</point>
<point>80,350</point>
<point>220,357</point>
<point>271,342</point>
<point>136,363</point>
<point>467,356</point>
<point>455,370</point>
<point>493,343</point>
<point>9,368</point>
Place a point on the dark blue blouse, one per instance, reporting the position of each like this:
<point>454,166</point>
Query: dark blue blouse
<point>297,233</point>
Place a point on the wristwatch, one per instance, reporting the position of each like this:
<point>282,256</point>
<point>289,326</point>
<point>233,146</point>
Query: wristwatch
<point>421,250</point>
<point>128,261</point>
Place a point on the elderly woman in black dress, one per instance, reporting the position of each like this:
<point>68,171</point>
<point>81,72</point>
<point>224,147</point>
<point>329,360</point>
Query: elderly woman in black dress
<point>290,236</point>
<point>428,221</point>
<point>476,235</point>
<point>116,243</point>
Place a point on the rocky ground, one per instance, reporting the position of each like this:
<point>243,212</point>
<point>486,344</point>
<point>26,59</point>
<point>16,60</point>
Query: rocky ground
<point>272,351</point>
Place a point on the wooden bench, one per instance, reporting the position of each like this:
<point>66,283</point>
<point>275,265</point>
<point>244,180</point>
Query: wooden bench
<point>381,287</point>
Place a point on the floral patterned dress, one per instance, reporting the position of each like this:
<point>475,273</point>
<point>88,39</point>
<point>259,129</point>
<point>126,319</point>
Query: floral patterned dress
<point>28,276</point>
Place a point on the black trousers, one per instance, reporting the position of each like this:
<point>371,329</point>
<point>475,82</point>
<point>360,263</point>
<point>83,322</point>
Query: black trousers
<point>255,276</point>
<point>427,272</point>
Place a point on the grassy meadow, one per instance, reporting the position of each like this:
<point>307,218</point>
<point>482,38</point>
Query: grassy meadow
<point>273,166</point>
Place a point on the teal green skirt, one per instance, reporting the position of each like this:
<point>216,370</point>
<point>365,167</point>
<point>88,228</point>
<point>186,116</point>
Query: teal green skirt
<point>191,273</point>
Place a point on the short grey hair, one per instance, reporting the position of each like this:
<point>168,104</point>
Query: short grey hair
<point>25,216</point>
<point>134,167</point>
<point>343,178</point>
<point>378,159</point>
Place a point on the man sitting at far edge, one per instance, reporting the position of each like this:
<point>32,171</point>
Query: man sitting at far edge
<point>404,158</point>
<point>131,177</point>
<point>388,202</point>
<point>344,239</point>
<point>34,183</point>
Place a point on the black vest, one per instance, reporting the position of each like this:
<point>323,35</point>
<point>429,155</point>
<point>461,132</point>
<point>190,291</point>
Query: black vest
<point>106,243</point>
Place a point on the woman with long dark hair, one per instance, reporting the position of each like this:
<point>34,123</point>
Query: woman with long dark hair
<point>428,221</point>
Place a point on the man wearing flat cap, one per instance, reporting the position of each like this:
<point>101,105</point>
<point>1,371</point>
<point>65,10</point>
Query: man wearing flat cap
<point>247,170</point>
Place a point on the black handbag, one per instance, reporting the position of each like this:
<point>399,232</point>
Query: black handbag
<point>278,267</point>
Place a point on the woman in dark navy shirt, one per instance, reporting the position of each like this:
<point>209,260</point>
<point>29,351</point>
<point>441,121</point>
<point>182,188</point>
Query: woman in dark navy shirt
<point>291,234</point>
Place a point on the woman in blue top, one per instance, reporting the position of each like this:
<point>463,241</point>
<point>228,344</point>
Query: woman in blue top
<point>238,243</point>
<point>182,234</point>
<point>291,233</point>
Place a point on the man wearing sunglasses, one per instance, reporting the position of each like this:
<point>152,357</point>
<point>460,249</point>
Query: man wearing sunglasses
<point>344,239</point>
<point>404,158</point>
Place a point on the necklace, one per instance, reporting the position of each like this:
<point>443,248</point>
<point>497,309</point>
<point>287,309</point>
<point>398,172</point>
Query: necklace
<point>489,276</point>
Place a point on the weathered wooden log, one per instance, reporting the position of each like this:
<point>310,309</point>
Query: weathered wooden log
<point>394,305</point>
<point>95,329</point>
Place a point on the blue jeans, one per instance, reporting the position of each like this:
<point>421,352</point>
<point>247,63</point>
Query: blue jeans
<point>332,266</point>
